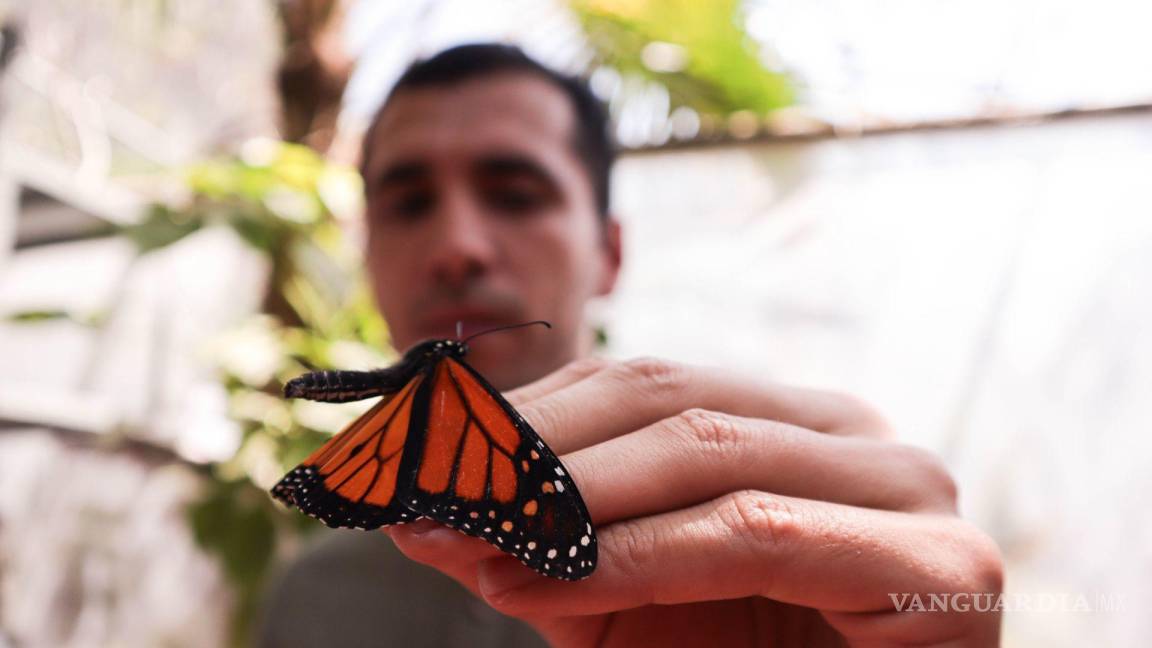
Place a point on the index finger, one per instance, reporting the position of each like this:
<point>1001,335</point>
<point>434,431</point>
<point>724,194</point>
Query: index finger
<point>630,395</point>
<point>569,374</point>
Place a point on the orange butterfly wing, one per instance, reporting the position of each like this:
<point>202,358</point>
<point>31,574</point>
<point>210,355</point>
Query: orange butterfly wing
<point>351,481</point>
<point>474,464</point>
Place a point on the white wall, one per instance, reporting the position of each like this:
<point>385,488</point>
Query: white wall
<point>987,288</point>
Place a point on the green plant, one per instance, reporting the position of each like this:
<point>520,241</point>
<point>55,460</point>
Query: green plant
<point>721,72</point>
<point>282,199</point>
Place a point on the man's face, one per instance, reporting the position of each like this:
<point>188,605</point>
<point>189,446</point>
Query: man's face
<point>479,211</point>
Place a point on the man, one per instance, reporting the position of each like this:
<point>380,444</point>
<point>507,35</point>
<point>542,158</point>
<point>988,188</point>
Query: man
<point>729,512</point>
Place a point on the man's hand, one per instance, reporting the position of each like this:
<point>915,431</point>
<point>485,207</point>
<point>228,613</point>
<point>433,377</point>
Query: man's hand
<point>733,513</point>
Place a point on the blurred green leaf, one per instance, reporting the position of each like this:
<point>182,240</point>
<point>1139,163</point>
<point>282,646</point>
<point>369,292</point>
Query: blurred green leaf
<point>26,317</point>
<point>162,226</point>
<point>721,71</point>
<point>297,447</point>
<point>235,521</point>
<point>258,231</point>
<point>92,319</point>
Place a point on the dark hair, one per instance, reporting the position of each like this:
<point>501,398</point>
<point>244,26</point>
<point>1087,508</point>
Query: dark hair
<point>592,139</point>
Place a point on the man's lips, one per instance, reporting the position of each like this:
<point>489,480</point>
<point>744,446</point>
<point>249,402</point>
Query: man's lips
<point>442,323</point>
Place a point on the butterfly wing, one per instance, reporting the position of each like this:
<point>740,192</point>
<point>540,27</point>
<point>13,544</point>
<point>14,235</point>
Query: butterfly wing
<point>351,481</point>
<point>476,465</point>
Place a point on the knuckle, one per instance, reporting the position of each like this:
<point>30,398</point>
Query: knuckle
<point>656,373</point>
<point>633,546</point>
<point>587,366</point>
<point>542,416</point>
<point>760,519</point>
<point>714,431</point>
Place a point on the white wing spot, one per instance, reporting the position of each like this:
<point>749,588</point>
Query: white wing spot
<point>551,553</point>
<point>559,486</point>
<point>559,471</point>
<point>572,552</point>
<point>584,540</point>
<point>531,545</point>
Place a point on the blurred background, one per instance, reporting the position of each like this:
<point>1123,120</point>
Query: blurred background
<point>944,207</point>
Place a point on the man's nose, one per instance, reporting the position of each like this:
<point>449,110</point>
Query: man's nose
<point>461,248</point>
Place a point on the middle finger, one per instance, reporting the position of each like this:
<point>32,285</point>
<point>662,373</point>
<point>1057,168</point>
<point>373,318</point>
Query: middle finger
<point>630,395</point>
<point>699,455</point>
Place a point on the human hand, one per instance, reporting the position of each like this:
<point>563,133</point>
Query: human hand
<point>733,513</point>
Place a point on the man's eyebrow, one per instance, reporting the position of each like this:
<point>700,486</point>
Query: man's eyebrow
<point>512,165</point>
<point>400,173</point>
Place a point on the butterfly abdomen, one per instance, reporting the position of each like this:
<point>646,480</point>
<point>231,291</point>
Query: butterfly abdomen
<point>344,386</point>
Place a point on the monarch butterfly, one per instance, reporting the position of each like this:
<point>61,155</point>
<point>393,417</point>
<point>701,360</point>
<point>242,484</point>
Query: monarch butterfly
<point>442,444</point>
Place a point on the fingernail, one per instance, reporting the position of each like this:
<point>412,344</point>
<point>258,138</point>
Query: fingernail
<point>499,577</point>
<point>421,527</point>
<point>428,534</point>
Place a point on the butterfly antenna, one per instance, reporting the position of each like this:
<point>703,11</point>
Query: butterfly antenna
<point>505,328</point>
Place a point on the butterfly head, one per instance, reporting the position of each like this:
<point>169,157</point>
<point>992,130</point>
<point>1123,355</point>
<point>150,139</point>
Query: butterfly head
<point>454,348</point>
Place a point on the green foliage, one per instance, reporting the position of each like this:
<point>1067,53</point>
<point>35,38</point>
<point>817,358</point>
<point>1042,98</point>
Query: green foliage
<point>27,317</point>
<point>161,226</point>
<point>54,315</point>
<point>722,72</point>
<point>269,196</point>
<point>281,199</point>
<point>235,522</point>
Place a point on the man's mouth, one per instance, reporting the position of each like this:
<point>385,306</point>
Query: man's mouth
<point>462,322</point>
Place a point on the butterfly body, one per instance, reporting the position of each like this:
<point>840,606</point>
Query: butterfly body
<point>443,444</point>
<point>347,386</point>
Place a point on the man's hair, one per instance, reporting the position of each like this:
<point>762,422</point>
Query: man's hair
<point>592,139</point>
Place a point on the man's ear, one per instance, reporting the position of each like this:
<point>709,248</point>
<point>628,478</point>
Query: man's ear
<point>612,254</point>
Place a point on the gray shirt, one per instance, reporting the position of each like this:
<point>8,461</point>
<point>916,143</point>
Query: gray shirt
<point>354,588</point>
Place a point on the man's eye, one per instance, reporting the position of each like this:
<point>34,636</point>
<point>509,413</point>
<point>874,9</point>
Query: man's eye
<point>409,206</point>
<point>514,201</point>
